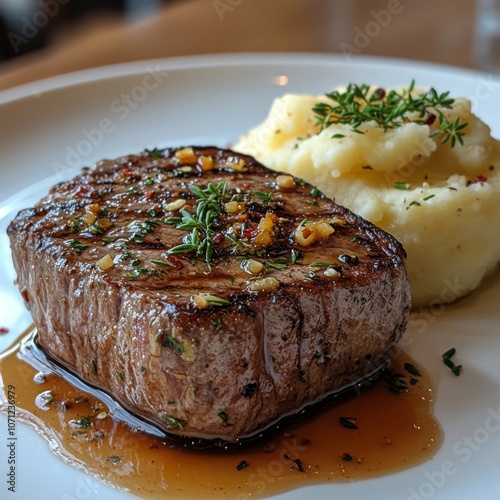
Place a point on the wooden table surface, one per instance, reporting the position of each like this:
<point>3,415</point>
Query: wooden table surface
<point>428,30</point>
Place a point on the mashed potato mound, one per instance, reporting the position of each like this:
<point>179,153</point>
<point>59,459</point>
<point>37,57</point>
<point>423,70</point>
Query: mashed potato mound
<point>441,202</point>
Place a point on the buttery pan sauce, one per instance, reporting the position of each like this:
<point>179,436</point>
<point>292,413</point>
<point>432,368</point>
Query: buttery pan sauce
<point>389,427</point>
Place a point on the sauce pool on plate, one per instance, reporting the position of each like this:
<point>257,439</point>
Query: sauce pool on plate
<point>387,428</point>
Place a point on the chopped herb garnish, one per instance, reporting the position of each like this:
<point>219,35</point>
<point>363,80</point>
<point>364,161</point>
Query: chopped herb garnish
<point>153,212</point>
<point>120,375</point>
<point>155,153</point>
<point>275,265</point>
<point>410,368</point>
<point>161,263</point>
<point>170,342</point>
<point>455,369</point>
<point>401,185</point>
<point>319,264</point>
<point>294,256</point>
<point>125,256</point>
<point>84,422</point>
<point>242,465</point>
<point>93,367</point>
<point>357,105</point>
<point>78,246</point>
<point>136,273</point>
<point>314,192</point>
<point>96,229</point>
<point>213,300</point>
<point>414,203</point>
<point>134,190</point>
<point>136,262</point>
<point>142,229</point>
<point>348,422</point>
<point>108,240</point>
<point>143,369</point>
<point>429,197</point>
<point>174,423</point>
<point>264,197</point>
<point>77,224</point>
<point>223,415</point>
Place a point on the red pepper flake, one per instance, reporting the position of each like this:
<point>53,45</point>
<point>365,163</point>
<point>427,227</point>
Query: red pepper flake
<point>379,93</point>
<point>431,118</point>
<point>128,171</point>
<point>479,178</point>
<point>218,238</point>
<point>3,330</point>
<point>250,233</point>
<point>83,191</point>
<point>175,261</point>
<point>148,194</point>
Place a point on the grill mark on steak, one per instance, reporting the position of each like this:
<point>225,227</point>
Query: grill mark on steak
<point>258,357</point>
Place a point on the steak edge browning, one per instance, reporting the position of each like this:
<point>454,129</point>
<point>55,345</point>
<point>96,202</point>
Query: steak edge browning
<point>216,328</point>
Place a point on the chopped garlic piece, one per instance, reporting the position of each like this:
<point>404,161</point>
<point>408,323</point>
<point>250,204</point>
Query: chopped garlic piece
<point>330,272</point>
<point>206,163</point>
<point>175,205</point>
<point>89,218</point>
<point>252,266</point>
<point>185,155</point>
<point>263,285</point>
<point>234,207</point>
<point>285,182</point>
<point>105,263</point>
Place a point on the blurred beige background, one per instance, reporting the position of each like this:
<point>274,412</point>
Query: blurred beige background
<point>440,31</point>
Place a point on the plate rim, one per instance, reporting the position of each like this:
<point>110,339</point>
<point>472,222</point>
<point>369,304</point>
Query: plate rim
<point>236,59</point>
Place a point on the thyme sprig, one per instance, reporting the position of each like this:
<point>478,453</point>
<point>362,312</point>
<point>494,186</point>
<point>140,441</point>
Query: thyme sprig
<point>209,203</point>
<point>357,104</point>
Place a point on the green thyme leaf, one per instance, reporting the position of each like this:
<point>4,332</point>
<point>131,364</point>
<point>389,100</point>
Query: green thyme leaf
<point>78,246</point>
<point>155,153</point>
<point>401,185</point>
<point>174,423</point>
<point>214,300</point>
<point>455,369</point>
<point>171,343</point>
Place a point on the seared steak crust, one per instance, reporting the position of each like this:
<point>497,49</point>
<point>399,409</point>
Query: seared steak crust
<point>214,328</point>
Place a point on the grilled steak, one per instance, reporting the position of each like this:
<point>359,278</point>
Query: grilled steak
<point>206,293</point>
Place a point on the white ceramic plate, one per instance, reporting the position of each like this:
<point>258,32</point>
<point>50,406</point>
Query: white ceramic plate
<point>49,129</point>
